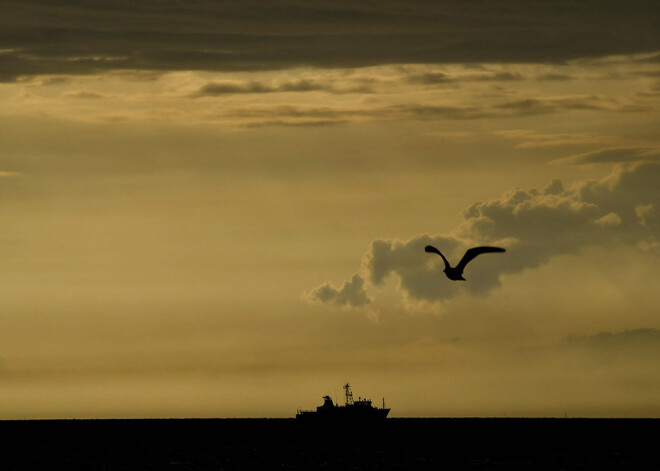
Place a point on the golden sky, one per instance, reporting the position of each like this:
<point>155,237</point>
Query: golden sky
<point>219,209</point>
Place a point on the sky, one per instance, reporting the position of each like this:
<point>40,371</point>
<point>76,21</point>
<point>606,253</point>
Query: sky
<point>219,209</point>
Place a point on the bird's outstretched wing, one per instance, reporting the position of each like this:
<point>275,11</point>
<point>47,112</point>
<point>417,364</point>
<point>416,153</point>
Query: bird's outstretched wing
<point>431,249</point>
<point>473,252</point>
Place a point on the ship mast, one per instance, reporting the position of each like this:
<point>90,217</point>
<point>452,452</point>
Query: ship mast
<point>349,394</point>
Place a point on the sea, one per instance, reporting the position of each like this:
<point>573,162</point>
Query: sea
<point>287,444</point>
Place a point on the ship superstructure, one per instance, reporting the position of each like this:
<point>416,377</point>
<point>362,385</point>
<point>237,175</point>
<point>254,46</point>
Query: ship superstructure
<point>361,409</point>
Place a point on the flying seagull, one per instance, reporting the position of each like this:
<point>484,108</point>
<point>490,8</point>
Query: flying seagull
<point>456,273</point>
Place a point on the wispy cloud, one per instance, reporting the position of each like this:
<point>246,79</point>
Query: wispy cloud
<point>532,139</point>
<point>232,87</point>
<point>85,95</point>
<point>612,155</point>
<point>439,78</point>
<point>543,105</point>
<point>261,115</point>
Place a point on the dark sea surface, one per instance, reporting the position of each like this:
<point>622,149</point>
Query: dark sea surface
<point>267,444</point>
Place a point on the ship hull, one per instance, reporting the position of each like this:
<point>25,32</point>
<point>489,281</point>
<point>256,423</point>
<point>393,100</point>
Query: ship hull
<point>344,414</point>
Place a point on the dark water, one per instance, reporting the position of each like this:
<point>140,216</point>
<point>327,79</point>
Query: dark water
<point>265,444</point>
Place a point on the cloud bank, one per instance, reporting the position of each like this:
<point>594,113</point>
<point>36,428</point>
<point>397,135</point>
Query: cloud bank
<point>534,225</point>
<point>76,37</point>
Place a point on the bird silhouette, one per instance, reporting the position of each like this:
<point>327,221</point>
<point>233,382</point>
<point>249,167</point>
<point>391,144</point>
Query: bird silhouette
<point>456,273</point>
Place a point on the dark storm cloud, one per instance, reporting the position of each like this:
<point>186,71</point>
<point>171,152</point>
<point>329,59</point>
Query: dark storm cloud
<point>72,37</point>
<point>535,225</point>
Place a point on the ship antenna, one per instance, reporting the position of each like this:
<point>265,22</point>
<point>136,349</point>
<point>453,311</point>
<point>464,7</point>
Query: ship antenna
<point>349,394</point>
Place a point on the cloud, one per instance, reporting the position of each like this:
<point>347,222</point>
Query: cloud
<point>295,97</point>
<point>352,293</point>
<point>611,219</point>
<point>635,338</point>
<point>300,123</point>
<point>58,37</point>
<point>534,225</point>
<point>433,112</point>
<point>439,78</point>
<point>640,347</point>
<point>534,140</point>
<point>260,115</point>
<point>293,114</point>
<point>555,221</point>
<point>230,87</point>
<point>554,77</point>
<point>85,95</point>
<point>611,155</point>
<point>647,214</point>
<point>233,87</point>
<point>533,106</point>
<point>56,80</point>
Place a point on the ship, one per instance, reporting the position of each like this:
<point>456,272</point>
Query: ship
<point>361,410</point>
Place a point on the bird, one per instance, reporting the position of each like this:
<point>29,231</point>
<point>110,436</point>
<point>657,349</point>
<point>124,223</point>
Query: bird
<point>456,273</point>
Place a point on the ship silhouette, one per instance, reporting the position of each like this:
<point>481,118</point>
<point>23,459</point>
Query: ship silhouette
<point>361,410</point>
